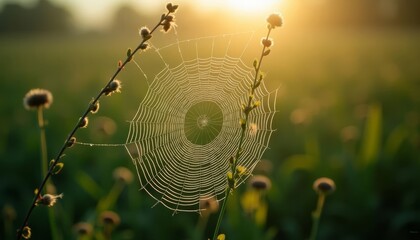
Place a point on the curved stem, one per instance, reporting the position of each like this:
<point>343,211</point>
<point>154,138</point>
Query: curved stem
<point>316,216</point>
<point>76,127</point>
<point>241,140</point>
<point>221,213</point>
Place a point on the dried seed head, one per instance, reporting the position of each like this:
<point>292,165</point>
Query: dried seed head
<point>26,232</point>
<point>260,182</point>
<point>113,87</point>
<point>324,185</point>
<point>37,98</point>
<point>145,33</point>
<point>48,199</point>
<point>83,229</point>
<point>274,20</point>
<point>209,205</point>
<point>110,218</point>
<point>123,175</point>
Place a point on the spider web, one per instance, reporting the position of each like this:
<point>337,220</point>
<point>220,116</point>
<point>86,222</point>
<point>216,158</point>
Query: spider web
<point>187,126</point>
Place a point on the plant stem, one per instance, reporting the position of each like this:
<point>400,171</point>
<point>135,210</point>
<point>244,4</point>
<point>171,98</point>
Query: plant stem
<point>317,215</point>
<point>221,213</point>
<point>76,127</point>
<point>241,141</point>
<point>44,168</point>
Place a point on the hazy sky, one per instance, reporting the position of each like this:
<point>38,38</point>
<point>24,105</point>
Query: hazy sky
<point>97,13</point>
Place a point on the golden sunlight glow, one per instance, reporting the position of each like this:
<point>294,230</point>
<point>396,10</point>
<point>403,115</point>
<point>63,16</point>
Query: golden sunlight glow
<point>252,5</point>
<point>240,6</point>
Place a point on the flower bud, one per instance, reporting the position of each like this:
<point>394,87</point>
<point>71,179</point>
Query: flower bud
<point>84,122</point>
<point>48,199</point>
<point>324,185</point>
<point>145,33</point>
<point>274,20</point>
<point>26,232</point>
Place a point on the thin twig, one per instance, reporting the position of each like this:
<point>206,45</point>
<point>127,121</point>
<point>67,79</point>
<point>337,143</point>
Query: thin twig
<point>77,126</point>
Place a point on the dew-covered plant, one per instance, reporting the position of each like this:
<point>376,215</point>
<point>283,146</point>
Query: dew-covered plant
<point>237,171</point>
<point>41,99</point>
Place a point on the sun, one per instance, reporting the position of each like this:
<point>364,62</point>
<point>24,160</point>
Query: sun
<point>252,5</point>
<point>240,6</point>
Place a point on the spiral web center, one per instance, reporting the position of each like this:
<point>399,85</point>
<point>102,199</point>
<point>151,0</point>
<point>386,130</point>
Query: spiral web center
<point>203,122</point>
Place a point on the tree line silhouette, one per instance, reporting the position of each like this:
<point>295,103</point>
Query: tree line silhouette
<point>45,17</point>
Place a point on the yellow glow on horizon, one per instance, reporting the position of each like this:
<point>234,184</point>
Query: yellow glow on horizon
<point>252,5</point>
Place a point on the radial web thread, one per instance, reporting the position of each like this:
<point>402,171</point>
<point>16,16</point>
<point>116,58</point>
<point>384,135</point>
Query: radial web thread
<point>187,126</point>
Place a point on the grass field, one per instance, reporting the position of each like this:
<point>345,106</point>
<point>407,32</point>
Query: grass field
<point>349,109</point>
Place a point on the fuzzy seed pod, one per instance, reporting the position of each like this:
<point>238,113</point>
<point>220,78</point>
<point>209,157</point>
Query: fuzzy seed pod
<point>274,20</point>
<point>37,98</point>
<point>260,182</point>
<point>324,185</point>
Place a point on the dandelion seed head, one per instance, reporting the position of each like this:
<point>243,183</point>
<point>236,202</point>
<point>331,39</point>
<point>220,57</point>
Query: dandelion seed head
<point>275,20</point>
<point>123,174</point>
<point>83,229</point>
<point>209,205</point>
<point>110,218</point>
<point>324,185</point>
<point>37,98</point>
<point>260,182</point>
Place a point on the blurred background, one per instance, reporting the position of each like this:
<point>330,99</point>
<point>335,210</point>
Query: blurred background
<point>349,109</point>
